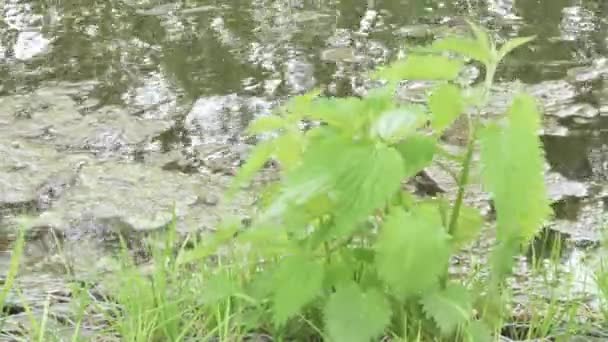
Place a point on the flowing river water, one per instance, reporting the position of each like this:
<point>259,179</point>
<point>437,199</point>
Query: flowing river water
<point>114,112</point>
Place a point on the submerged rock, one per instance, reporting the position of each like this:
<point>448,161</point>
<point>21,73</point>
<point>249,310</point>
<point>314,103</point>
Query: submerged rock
<point>553,95</point>
<point>221,119</point>
<point>109,131</point>
<point>597,70</point>
<point>137,197</point>
<point>32,175</point>
<point>37,114</point>
<point>52,117</point>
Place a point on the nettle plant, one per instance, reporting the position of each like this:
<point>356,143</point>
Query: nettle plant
<point>340,246</point>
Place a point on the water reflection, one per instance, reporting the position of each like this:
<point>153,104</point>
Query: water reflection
<point>204,48</point>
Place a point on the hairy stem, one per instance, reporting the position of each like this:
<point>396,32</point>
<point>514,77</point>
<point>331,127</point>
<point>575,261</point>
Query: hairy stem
<point>463,180</point>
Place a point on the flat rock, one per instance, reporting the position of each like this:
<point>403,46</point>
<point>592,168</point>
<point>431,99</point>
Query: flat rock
<point>137,197</point>
<point>50,116</point>
<point>25,167</point>
<point>559,187</point>
<point>597,70</point>
<point>219,119</point>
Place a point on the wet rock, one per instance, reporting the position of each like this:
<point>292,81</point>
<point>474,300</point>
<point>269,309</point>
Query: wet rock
<point>560,187</point>
<point>26,170</point>
<point>109,131</point>
<point>597,70</point>
<point>578,110</point>
<point>159,10</point>
<point>299,75</point>
<point>52,117</point>
<point>57,184</point>
<point>416,31</point>
<point>552,127</point>
<point>340,54</point>
<point>367,22</point>
<point>587,227</point>
<point>553,95</point>
<point>222,159</point>
<point>30,44</point>
<point>271,86</point>
<point>135,197</point>
<point>211,200</point>
<point>36,114</point>
<point>504,9</point>
<point>598,160</point>
<point>221,119</point>
<point>576,21</point>
<point>341,38</point>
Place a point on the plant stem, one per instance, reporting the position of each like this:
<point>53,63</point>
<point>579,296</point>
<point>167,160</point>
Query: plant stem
<point>327,252</point>
<point>466,167</point>
<point>463,179</point>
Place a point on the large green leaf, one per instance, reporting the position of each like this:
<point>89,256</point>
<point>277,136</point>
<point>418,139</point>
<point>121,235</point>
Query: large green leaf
<point>369,176</point>
<point>470,222</point>
<point>297,281</point>
<point>256,161</point>
<point>446,104</point>
<point>354,315</point>
<point>412,250</point>
<point>219,287</point>
<point>513,163</point>
<point>358,177</point>
<point>450,308</point>
<point>288,149</point>
<point>483,39</point>
<point>478,332</point>
<point>513,44</point>
<point>266,124</point>
<point>397,124</point>
<point>421,67</point>
<point>417,152</point>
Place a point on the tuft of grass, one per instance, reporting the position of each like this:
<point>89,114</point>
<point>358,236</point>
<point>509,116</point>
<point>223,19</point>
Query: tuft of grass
<point>13,269</point>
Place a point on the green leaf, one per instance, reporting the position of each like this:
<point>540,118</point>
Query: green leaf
<point>412,250</point>
<point>417,152</point>
<point>421,67</point>
<point>466,47</point>
<point>256,161</point>
<point>369,177</point>
<point>446,104</point>
<point>298,281</point>
<point>275,242</point>
<point>513,44</point>
<point>397,124</point>
<point>513,163</point>
<point>360,177</point>
<point>470,222</point>
<point>219,287</point>
<point>266,124</point>
<point>352,315</point>
<point>299,106</point>
<point>450,308</point>
<point>483,39</point>
<point>289,149</point>
<point>339,272</point>
<point>478,332</point>
<point>261,286</point>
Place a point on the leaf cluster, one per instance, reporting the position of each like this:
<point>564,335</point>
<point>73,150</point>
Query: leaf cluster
<point>342,248</point>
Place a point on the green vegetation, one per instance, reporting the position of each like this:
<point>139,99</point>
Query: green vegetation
<point>358,256</point>
<point>340,251</point>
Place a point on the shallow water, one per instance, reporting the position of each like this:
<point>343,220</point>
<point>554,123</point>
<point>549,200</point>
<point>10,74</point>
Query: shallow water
<point>113,112</point>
